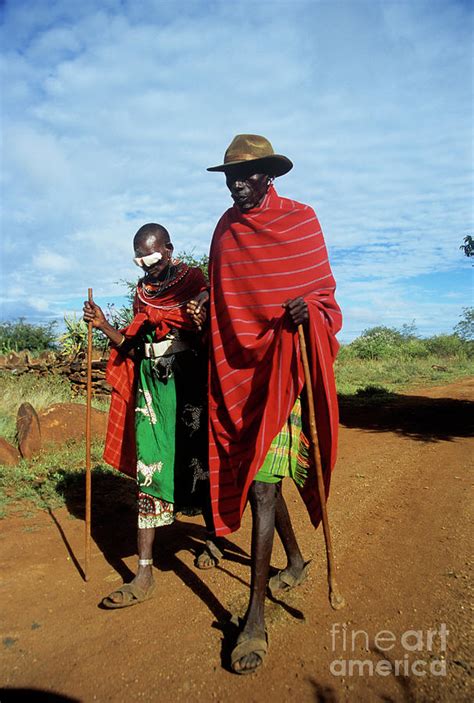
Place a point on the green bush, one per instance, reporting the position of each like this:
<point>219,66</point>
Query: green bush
<point>415,349</point>
<point>446,345</point>
<point>377,343</point>
<point>345,353</point>
<point>119,317</point>
<point>74,340</point>
<point>371,391</point>
<point>380,343</point>
<point>17,335</point>
<point>201,262</point>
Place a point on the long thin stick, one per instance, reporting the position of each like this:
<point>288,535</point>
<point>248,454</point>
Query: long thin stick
<point>87,560</point>
<point>335,598</point>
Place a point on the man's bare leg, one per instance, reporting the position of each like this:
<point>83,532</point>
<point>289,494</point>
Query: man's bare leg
<point>209,557</point>
<point>262,498</point>
<point>144,577</point>
<point>284,528</point>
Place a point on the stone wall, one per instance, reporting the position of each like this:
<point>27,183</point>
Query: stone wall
<point>51,363</point>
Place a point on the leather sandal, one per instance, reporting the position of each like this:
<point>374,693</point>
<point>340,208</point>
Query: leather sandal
<point>248,645</point>
<point>284,581</point>
<point>131,595</point>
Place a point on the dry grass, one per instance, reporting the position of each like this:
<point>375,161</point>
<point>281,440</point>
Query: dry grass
<point>40,391</point>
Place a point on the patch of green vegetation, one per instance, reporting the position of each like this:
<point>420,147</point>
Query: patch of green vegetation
<point>398,374</point>
<point>7,428</point>
<point>73,341</point>
<point>371,391</point>
<point>201,261</point>
<point>40,391</point>
<point>16,335</point>
<point>388,343</point>
<point>45,480</point>
<point>397,359</point>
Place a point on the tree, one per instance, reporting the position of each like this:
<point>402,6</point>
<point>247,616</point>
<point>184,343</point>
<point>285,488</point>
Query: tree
<point>465,327</point>
<point>16,335</point>
<point>468,246</point>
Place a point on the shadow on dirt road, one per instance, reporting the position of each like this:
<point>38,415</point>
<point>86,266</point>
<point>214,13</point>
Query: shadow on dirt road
<point>418,417</point>
<point>114,530</point>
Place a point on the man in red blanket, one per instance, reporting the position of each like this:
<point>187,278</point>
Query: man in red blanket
<point>269,272</point>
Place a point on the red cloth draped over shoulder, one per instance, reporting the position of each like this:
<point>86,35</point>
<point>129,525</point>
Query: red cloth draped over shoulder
<point>161,314</point>
<point>258,260</point>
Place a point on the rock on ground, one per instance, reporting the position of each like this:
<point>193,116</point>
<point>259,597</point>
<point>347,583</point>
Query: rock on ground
<point>67,421</point>
<point>28,431</point>
<point>9,455</point>
<point>55,425</point>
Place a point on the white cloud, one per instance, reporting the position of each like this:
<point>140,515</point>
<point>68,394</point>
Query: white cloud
<point>52,262</point>
<point>41,305</point>
<point>113,112</point>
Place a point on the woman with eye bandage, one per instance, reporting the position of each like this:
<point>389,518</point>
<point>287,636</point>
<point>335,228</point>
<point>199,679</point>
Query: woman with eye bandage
<point>157,429</point>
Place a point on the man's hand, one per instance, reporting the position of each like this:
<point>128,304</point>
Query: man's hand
<point>94,314</point>
<point>196,308</point>
<point>297,310</point>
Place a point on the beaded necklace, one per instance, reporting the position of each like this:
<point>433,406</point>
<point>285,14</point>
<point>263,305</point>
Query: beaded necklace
<point>152,291</point>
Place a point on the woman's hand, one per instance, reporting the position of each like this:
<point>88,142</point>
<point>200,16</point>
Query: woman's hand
<point>297,309</point>
<point>196,308</point>
<point>94,314</point>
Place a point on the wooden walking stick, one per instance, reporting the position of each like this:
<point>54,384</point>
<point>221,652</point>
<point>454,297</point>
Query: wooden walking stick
<point>87,559</point>
<point>335,598</point>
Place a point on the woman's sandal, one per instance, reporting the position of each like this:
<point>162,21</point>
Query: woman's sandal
<point>248,645</point>
<point>284,581</point>
<point>209,557</point>
<point>131,595</point>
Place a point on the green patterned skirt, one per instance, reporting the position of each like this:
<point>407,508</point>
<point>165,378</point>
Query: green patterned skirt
<point>288,454</point>
<point>171,437</point>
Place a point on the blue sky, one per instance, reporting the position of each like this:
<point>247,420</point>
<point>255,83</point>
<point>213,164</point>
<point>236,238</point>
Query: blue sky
<point>113,109</point>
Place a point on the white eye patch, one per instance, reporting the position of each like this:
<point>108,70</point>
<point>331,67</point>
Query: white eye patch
<point>148,260</point>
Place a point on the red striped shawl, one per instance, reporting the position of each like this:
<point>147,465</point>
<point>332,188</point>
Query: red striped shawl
<point>258,260</point>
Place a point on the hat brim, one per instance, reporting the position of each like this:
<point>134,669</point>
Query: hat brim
<point>274,165</point>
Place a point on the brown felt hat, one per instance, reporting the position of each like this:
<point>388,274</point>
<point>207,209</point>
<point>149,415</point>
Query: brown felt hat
<point>245,148</point>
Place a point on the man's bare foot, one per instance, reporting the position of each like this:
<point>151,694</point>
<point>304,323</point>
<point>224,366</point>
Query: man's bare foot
<point>210,555</point>
<point>250,650</point>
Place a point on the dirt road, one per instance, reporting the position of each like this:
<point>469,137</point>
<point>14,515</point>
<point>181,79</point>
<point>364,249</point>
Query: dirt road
<point>400,512</point>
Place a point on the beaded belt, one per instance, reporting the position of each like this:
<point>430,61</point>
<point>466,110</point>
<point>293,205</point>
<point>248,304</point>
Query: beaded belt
<point>164,348</point>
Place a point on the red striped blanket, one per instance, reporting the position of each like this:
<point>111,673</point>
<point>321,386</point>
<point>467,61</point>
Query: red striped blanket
<point>258,260</point>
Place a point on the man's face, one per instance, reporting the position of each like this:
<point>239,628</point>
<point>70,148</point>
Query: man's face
<point>246,187</point>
